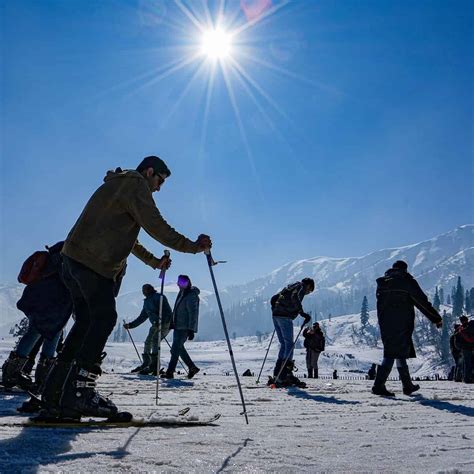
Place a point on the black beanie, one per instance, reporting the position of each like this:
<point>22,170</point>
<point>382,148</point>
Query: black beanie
<point>400,265</point>
<point>158,165</point>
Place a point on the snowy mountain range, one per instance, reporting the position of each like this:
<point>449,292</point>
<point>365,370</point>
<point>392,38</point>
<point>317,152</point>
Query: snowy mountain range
<point>341,284</point>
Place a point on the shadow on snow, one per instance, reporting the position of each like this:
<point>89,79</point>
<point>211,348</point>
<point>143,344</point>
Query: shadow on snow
<point>298,393</point>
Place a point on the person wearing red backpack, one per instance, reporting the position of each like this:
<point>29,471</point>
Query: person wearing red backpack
<point>94,253</point>
<point>48,306</point>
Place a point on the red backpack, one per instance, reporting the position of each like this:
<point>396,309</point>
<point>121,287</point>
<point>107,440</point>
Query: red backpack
<point>33,267</point>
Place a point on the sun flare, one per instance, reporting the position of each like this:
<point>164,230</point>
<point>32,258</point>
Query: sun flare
<point>216,43</point>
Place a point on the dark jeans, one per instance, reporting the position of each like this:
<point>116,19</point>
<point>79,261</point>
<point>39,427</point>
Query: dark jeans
<point>284,332</point>
<point>94,307</point>
<point>180,336</point>
<point>30,339</point>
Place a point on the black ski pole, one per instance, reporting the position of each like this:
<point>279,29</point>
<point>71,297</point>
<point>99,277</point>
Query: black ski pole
<point>180,361</point>
<point>160,315</point>
<point>264,360</point>
<point>211,263</point>
<point>288,358</point>
<point>131,338</point>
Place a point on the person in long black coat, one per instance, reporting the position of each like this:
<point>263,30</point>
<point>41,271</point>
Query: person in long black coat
<point>398,293</point>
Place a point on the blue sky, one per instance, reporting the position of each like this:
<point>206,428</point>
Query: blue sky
<point>355,126</point>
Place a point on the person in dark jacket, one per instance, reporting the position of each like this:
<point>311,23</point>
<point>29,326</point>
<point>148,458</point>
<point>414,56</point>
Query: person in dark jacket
<point>185,326</point>
<point>315,343</point>
<point>457,355</point>
<point>286,306</point>
<point>151,311</point>
<point>464,341</point>
<point>48,306</point>
<point>398,293</point>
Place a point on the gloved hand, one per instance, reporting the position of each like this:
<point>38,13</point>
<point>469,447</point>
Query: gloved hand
<point>163,263</point>
<point>190,335</point>
<point>126,325</point>
<point>203,242</point>
<point>307,319</point>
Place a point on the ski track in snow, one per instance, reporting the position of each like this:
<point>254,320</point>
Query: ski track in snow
<point>332,426</point>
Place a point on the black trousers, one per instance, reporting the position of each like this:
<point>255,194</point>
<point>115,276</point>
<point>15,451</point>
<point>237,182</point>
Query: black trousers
<point>93,298</point>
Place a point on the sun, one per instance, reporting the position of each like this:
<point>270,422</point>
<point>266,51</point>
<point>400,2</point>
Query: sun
<point>216,43</point>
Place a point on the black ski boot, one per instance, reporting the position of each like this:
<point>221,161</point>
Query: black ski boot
<point>80,398</point>
<point>43,367</point>
<point>292,379</point>
<point>145,363</point>
<point>379,383</point>
<point>150,369</point>
<point>408,386</point>
<point>12,372</point>
<point>168,375</point>
<point>310,373</point>
<point>193,371</point>
<point>276,371</point>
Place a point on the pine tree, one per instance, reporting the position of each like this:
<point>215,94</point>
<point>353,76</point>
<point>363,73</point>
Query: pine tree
<point>458,299</point>
<point>445,350</point>
<point>448,300</point>
<point>364,313</point>
<point>20,328</point>
<point>436,300</point>
<point>441,295</point>
<point>468,302</point>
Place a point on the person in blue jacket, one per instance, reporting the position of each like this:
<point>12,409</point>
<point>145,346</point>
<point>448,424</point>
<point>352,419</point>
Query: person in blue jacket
<point>151,311</point>
<point>185,325</point>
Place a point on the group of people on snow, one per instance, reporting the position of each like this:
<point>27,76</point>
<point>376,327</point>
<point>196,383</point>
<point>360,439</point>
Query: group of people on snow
<point>461,344</point>
<point>82,276</point>
<point>91,263</point>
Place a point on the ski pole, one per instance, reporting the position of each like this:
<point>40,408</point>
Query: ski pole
<point>160,314</point>
<point>131,338</point>
<point>265,359</point>
<point>288,358</point>
<point>180,361</point>
<point>211,263</point>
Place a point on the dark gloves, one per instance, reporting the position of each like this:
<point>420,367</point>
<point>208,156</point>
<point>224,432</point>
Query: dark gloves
<point>190,335</point>
<point>307,319</point>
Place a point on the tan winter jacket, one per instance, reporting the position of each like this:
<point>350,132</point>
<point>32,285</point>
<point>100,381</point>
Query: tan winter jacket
<point>106,232</point>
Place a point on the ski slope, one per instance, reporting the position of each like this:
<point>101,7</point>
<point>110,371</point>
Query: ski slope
<point>332,426</point>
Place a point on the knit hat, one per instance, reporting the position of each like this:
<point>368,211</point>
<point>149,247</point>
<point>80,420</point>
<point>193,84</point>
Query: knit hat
<point>400,265</point>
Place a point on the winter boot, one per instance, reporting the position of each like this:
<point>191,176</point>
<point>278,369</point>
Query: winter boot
<point>170,375</point>
<point>291,379</point>
<point>193,371</point>
<point>145,363</point>
<point>150,369</point>
<point>41,373</point>
<point>316,373</point>
<point>408,386</point>
<point>79,396</point>
<point>12,374</point>
<point>379,383</point>
<point>310,373</point>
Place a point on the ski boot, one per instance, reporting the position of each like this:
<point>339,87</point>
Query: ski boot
<point>79,396</point>
<point>145,363</point>
<point>150,369</point>
<point>169,374</point>
<point>43,367</point>
<point>379,383</point>
<point>12,372</point>
<point>193,371</point>
<point>292,379</point>
<point>408,386</point>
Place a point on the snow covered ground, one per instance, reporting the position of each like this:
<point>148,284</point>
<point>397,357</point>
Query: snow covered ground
<point>332,426</point>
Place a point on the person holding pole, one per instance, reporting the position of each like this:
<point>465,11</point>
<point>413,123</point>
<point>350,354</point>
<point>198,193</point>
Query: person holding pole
<point>286,306</point>
<point>150,311</point>
<point>94,253</point>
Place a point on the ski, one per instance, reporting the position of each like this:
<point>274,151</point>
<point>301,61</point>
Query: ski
<point>117,422</point>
